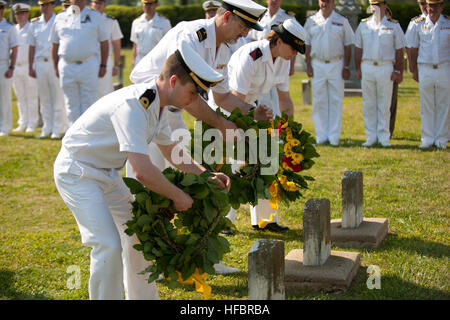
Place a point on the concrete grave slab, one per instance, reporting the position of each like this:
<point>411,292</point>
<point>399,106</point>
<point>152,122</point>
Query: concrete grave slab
<point>369,234</point>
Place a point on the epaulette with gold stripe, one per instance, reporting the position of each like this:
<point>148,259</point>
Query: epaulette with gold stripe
<point>393,20</point>
<point>419,19</point>
<point>34,19</point>
<point>291,13</point>
<point>147,98</point>
<point>365,19</point>
<point>111,17</point>
<point>448,17</point>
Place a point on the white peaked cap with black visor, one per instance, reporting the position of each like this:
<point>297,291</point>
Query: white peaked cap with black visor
<point>250,12</point>
<point>203,76</point>
<point>292,33</point>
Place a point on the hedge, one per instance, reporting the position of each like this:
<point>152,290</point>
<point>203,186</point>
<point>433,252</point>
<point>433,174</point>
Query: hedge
<point>125,14</point>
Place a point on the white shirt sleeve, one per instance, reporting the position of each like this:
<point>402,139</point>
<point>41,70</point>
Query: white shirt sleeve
<point>358,38</point>
<point>133,36</point>
<point>399,37</point>
<point>54,37</point>
<point>102,30</point>
<point>31,41</point>
<point>130,125</point>
<point>240,72</point>
<point>13,38</point>
<point>116,32</point>
<point>308,36</point>
<point>348,33</point>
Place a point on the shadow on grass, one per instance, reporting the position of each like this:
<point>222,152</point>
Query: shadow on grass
<point>392,288</point>
<point>415,245</point>
<point>8,290</point>
<point>290,235</point>
<point>357,143</point>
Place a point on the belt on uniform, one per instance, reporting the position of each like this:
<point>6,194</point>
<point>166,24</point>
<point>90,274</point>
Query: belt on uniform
<point>378,63</point>
<point>329,60</point>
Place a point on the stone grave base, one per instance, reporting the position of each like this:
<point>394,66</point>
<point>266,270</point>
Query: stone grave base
<point>336,274</point>
<point>369,234</point>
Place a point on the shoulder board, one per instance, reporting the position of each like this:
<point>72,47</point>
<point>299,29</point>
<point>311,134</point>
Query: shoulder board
<point>447,16</point>
<point>393,20</point>
<point>201,34</point>
<point>147,98</point>
<point>419,19</point>
<point>365,19</point>
<point>291,13</point>
<point>34,19</point>
<point>111,17</point>
<point>256,54</point>
<point>416,17</point>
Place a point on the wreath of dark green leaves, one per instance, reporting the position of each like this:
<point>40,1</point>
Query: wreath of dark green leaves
<point>180,241</point>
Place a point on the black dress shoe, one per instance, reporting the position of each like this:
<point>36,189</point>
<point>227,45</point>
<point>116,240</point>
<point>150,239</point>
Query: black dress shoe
<point>228,232</point>
<point>274,227</point>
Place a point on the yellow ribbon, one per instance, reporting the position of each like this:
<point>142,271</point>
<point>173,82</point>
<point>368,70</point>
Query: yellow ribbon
<point>200,285</point>
<point>273,204</point>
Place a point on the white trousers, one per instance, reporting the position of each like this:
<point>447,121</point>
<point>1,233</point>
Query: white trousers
<point>25,88</point>
<point>328,99</point>
<point>376,95</point>
<point>5,99</point>
<point>106,84</point>
<point>434,86</point>
<point>79,83</point>
<point>100,203</point>
<point>53,111</point>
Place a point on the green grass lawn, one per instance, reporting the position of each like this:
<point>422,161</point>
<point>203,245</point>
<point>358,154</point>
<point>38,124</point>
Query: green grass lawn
<point>39,239</point>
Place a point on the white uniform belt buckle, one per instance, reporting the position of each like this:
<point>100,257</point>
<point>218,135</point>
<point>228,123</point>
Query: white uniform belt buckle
<point>78,62</point>
<point>375,63</point>
<point>435,66</point>
<point>327,61</point>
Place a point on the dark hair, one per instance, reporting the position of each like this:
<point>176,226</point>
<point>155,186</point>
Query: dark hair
<point>273,37</point>
<point>172,66</point>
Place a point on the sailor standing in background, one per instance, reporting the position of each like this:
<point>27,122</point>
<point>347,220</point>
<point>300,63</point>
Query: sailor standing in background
<point>210,8</point>
<point>147,30</point>
<point>379,44</point>
<point>24,86</point>
<point>75,38</point>
<point>54,119</point>
<point>328,54</point>
<point>9,44</point>
<point>112,67</point>
<point>429,41</point>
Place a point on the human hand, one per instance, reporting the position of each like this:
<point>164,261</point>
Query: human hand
<point>358,74</point>
<point>182,201</point>
<point>102,71</point>
<point>115,71</point>
<point>345,74</point>
<point>310,71</point>
<point>396,77</point>
<point>32,73</point>
<point>262,112</point>
<point>9,73</point>
<point>223,181</point>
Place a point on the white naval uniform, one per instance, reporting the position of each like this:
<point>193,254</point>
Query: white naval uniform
<point>106,84</point>
<point>8,40</point>
<point>147,33</point>
<point>267,21</point>
<point>411,25</point>
<point>252,72</point>
<point>433,41</point>
<point>25,87</point>
<point>204,43</point>
<point>327,38</point>
<point>78,36</point>
<point>87,176</point>
<point>51,99</point>
<point>378,42</point>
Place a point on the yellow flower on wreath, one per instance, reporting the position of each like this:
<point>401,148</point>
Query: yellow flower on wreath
<point>297,158</point>
<point>287,185</point>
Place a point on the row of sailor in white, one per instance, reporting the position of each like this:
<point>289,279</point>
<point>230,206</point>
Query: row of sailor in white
<point>379,42</point>
<point>253,71</point>
<point>8,41</point>
<point>327,39</point>
<point>25,87</point>
<point>106,84</point>
<point>433,43</point>
<point>87,176</point>
<point>78,34</point>
<point>52,108</point>
<point>146,34</point>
